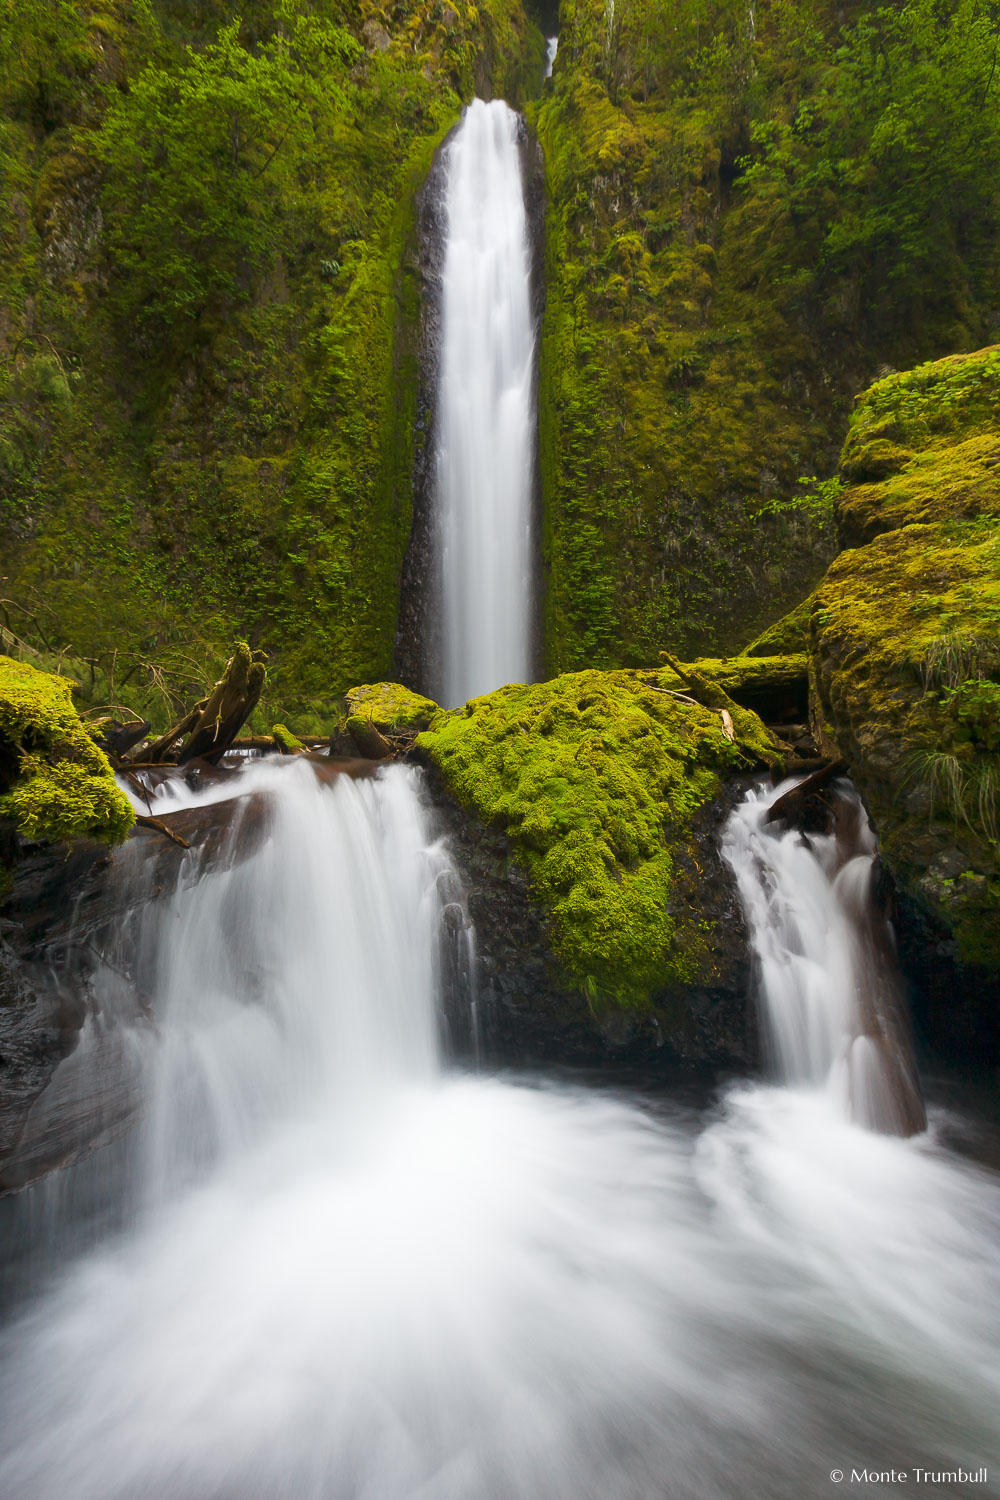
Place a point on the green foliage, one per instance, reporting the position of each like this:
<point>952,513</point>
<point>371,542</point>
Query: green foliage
<point>595,777</point>
<point>957,657</point>
<point>43,54</point>
<point>54,781</point>
<point>815,498</point>
<point>969,792</point>
<point>751,210</point>
<point>215,246</point>
<point>883,166</point>
<point>207,162</point>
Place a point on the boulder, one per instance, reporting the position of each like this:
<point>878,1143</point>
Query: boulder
<point>584,813</point>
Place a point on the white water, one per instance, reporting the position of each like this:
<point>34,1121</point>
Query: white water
<point>352,1275</point>
<point>830,1015</point>
<point>486,423</point>
<point>551,48</point>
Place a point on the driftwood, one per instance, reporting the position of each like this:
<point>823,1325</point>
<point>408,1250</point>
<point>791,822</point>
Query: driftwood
<point>160,827</point>
<point>371,743</point>
<point>792,804</point>
<point>230,704</point>
<point>213,724</point>
<point>708,694</point>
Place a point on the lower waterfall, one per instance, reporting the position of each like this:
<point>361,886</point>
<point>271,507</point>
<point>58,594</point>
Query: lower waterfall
<point>347,1272</point>
<point>832,1010</point>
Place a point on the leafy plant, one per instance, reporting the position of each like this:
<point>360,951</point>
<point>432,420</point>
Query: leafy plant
<point>205,161</point>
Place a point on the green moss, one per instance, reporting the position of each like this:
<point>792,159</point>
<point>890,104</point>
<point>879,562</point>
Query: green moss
<point>285,740</point>
<point>596,777</point>
<point>905,640</point>
<point>54,781</point>
<point>946,398</point>
<point>788,636</point>
<point>389,705</point>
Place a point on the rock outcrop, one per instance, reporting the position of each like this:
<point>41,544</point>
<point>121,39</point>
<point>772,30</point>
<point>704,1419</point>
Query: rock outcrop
<point>905,670</point>
<point>584,814</point>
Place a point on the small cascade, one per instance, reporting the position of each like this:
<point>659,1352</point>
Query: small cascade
<point>551,48</point>
<point>831,997</point>
<point>486,424</point>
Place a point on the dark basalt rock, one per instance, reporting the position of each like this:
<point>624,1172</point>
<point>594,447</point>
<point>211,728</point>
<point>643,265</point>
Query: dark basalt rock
<point>527,1010</point>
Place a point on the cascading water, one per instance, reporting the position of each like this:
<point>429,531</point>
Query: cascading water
<point>350,1274</point>
<point>486,425</point>
<point>831,1006</point>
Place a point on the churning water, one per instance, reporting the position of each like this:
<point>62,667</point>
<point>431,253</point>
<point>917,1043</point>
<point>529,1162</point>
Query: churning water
<point>832,1009</point>
<point>349,1274</point>
<point>486,421</point>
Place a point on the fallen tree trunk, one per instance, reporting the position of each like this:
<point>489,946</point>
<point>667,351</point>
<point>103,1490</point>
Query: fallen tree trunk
<point>791,806</point>
<point>230,704</point>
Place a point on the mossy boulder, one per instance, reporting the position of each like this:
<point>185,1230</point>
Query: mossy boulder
<point>788,636</point>
<point>390,706</point>
<point>884,615</point>
<point>54,781</point>
<point>905,647</point>
<point>598,780</point>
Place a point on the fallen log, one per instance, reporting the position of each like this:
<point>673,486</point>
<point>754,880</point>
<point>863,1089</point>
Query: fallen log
<point>121,738</point>
<point>791,805</point>
<point>371,743</point>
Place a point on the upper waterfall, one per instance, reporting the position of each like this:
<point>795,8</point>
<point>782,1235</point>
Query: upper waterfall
<point>486,427</point>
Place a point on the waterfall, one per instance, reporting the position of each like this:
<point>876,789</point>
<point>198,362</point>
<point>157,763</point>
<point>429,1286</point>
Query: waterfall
<point>343,1270</point>
<point>831,1007</point>
<point>486,425</point>
<point>551,48</point>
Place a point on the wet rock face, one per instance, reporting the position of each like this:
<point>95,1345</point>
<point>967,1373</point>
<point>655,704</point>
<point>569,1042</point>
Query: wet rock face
<point>531,1012</point>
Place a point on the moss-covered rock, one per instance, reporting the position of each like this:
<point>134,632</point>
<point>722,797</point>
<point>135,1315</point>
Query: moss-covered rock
<point>54,781</point>
<point>906,644</point>
<point>597,779</point>
<point>390,706</point>
<point>788,636</point>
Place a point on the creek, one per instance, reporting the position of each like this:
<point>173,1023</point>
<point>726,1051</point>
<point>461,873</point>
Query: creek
<point>339,1267</point>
